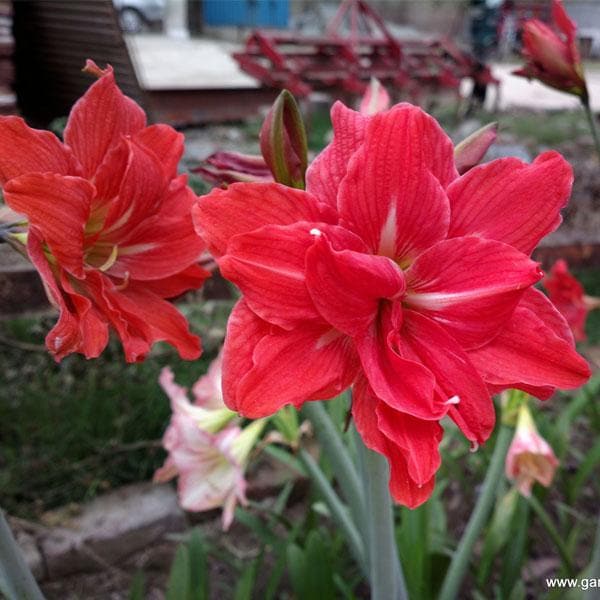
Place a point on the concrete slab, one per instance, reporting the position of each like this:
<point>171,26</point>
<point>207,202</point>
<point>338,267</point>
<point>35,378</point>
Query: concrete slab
<point>517,92</point>
<point>164,63</point>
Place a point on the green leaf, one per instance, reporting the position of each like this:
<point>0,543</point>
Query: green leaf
<point>245,585</point>
<point>179,585</point>
<point>319,560</point>
<point>136,591</point>
<point>296,563</point>
<point>585,470</point>
<point>198,566</point>
<point>497,534</point>
<point>514,554</point>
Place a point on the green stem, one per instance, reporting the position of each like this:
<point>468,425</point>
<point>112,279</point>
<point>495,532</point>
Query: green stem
<point>337,453</point>
<point>546,521</point>
<point>386,578</point>
<point>16,580</point>
<point>462,556</point>
<point>593,570</point>
<point>592,121</point>
<point>338,510</point>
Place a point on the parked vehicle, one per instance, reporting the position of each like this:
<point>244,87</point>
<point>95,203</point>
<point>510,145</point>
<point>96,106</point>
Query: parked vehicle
<point>136,15</point>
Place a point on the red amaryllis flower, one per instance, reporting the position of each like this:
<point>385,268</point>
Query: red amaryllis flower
<point>393,274</point>
<point>553,57</point>
<point>110,230</point>
<point>568,295</point>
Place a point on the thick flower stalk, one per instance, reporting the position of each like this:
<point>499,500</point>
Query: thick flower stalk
<point>568,295</point>
<point>208,452</point>
<point>552,55</point>
<point>530,458</point>
<point>109,226</point>
<point>396,276</point>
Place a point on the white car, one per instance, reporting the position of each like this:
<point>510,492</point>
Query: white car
<point>136,15</point>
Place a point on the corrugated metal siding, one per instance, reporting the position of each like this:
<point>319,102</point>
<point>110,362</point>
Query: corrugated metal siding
<point>7,70</point>
<point>53,40</point>
<point>246,13</point>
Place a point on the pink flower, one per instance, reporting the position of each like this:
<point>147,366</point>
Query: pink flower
<point>109,225</point>
<point>397,276</point>
<point>207,452</point>
<point>553,57</point>
<point>529,458</point>
<point>568,295</point>
<point>208,392</point>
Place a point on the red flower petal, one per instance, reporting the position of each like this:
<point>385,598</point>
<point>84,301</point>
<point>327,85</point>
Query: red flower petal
<point>511,201</point>
<point>99,120</point>
<point>190,278</point>
<point>392,196</point>
<point>285,367</point>
<point>268,265</point>
<point>422,340</point>
<point>418,439</point>
<point>470,286</point>
<point>24,150</point>
<point>159,247</point>
<point>166,323</point>
<point>141,193</point>
<point>166,143</point>
<point>329,167</point>
<point>563,21</point>
<point>58,207</point>
<point>347,286</point>
<point>244,207</point>
<point>93,327</point>
<point>402,487</point>
<point>406,385</point>
<point>528,352</point>
<point>79,328</point>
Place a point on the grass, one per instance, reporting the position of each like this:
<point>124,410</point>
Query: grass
<point>71,430</point>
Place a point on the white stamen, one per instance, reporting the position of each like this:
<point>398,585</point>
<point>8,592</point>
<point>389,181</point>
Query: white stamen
<point>453,400</point>
<point>474,447</point>
<point>316,232</point>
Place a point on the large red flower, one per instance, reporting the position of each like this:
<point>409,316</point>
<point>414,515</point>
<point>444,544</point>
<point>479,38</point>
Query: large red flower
<point>110,229</point>
<point>393,274</point>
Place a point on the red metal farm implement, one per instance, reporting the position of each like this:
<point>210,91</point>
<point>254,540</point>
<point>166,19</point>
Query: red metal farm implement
<point>356,46</point>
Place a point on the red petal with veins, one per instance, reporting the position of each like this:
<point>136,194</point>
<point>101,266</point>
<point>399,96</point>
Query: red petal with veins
<point>456,379</point>
<point>347,286</point>
<point>399,211</point>
<point>470,286</point>
<point>24,150</point>
<point>325,173</point>
<point>528,352</point>
<point>166,143</point>
<point>58,207</point>
<point>244,207</point>
<point>99,120</point>
<point>403,487</point>
<point>278,367</point>
<point>268,265</point>
<point>511,201</point>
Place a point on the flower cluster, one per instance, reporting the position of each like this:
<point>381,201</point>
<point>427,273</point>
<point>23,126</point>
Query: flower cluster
<point>207,450</point>
<point>109,225</point>
<point>397,276</point>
